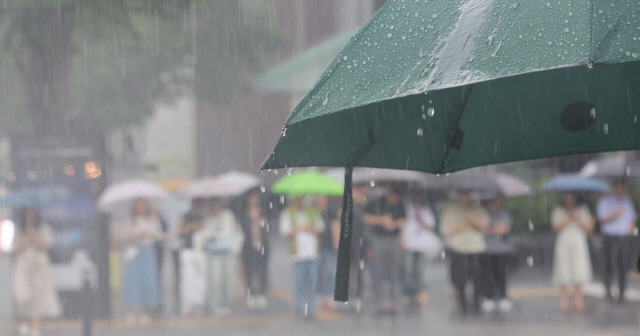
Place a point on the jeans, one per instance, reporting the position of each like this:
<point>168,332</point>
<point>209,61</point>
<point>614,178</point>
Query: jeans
<point>615,256</point>
<point>305,274</point>
<point>327,276</point>
<point>387,263</point>
<point>222,279</point>
<point>414,282</point>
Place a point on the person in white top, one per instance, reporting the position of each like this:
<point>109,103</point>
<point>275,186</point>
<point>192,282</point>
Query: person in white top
<point>617,216</point>
<point>418,240</point>
<point>571,261</point>
<point>301,226</point>
<point>222,238</point>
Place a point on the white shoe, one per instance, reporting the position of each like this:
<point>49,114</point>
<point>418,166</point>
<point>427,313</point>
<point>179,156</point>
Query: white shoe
<point>262,302</point>
<point>23,329</point>
<point>505,305</point>
<point>488,306</point>
<point>252,302</point>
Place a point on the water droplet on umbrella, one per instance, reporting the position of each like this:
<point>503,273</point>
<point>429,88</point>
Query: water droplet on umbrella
<point>372,183</point>
<point>420,131</point>
<point>344,58</point>
<point>431,111</point>
<point>606,129</point>
<point>530,261</point>
<point>325,101</point>
<point>284,131</point>
<point>593,112</point>
<point>424,116</point>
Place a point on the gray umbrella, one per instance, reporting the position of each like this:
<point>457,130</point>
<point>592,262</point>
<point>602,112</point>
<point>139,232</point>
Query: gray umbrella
<point>612,166</point>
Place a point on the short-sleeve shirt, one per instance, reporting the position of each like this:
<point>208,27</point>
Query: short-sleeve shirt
<point>466,242</point>
<point>306,243</point>
<point>620,225</point>
<point>382,207</point>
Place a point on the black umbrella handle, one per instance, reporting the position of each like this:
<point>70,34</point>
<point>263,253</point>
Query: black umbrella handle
<point>341,291</point>
<point>343,268</point>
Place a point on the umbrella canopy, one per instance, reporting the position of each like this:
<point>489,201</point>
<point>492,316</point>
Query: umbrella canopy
<point>472,180</point>
<point>572,182</point>
<point>309,182</point>
<point>512,186</point>
<point>223,185</point>
<point>439,86</point>
<point>612,166</point>
<point>125,191</point>
<point>375,175</point>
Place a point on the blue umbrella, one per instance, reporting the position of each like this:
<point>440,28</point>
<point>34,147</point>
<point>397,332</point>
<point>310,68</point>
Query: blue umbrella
<point>573,182</point>
<point>29,197</point>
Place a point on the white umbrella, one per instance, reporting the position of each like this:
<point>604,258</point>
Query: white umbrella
<point>377,175</point>
<point>118,193</point>
<point>511,185</point>
<point>227,184</point>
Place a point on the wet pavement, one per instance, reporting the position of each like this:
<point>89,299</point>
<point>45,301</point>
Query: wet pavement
<point>535,312</point>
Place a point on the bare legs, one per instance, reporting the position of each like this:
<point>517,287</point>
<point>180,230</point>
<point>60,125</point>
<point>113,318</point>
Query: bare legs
<point>578,299</point>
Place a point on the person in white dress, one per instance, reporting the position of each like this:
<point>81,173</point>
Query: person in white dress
<point>571,262</point>
<point>33,287</point>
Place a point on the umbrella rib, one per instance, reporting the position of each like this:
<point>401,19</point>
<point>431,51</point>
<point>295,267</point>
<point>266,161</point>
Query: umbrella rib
<point>448,148</point>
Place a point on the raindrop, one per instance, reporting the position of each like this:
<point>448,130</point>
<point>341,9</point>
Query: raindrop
<point>530,225</point>
<point>32,175</point>
<point>424,116</point>
<point>443,255</point>
<point>635,231</point>
<point>289,171</point>
<point>344,58</point>
<point>372,183</point>
<point>431,111</point>
<point>361,264</point>
<point>635,119</point>
<point>270,205</point>
<point>325,101</point>
<point>282,199</point>
<point>606,129</point>
<point>628,171</point>
<point>263,189</point>
<point>275,172</point>
<point>262,223</point>
<point>530,261</point>
<point>420,132</point>
<point>423,108</point>
<point>284,131</point>
<point>593,112</point>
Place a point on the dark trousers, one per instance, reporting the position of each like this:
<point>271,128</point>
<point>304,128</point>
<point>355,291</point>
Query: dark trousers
<point>255,269</point>
<point>176,281</point>
<point>465,267</point>
<point>494,275</point>
<point>615,256</point>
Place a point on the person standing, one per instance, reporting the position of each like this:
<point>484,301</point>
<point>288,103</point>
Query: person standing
<point>386,217</point>
<point>328,251</point>
<point>463,224</point>
<point>141,285</point>
<point>494,262</point>
<point>571,261</point>
<point>33,288</point>
<point>617,217</point>
<point>189,263</point>
<point>221,238</point>
<point>301,227</point>
<point>255,250</point>
<point>417,240</point>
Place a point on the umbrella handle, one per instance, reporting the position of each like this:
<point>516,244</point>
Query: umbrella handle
<point>341,291</point>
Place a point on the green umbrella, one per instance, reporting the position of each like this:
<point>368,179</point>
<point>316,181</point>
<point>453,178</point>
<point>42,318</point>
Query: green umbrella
<point>439,86</point>
<point>308,182</point>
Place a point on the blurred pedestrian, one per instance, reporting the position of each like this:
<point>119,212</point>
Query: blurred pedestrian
<point>418,238</point>
<point>463,224</point>
<point>386,216</point>
<point>255,250</point>
<point>189,263</point>
<point>221,237</point>
<point>617,217</point>
<point>141,285</point>
<point>360,245</point>
<point>33,288</point>
<point>329,239</point>
<point>301,226</point>
<point>494,262</point>
<point>571,261</point>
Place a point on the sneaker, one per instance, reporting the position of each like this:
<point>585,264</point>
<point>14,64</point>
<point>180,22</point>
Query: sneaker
<point>505,305</point>
<point>488,306</point>
<point>262,302</point>
<point>252,302</point>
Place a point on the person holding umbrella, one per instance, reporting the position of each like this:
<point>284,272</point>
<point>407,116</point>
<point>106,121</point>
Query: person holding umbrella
<point>617,217</point>
<point>141,285</point>
<point>463,224</point>
<point>571,261</point>
<point>301,227</point>
<point>186,261</point>
<point>255,250</point>
<point>386,217</point>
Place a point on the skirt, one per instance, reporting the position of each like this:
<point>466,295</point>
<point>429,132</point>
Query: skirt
<point>141,279</point>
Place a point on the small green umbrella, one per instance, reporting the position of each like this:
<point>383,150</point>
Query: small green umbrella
<point>444,85</point>
<point>308,182</point>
